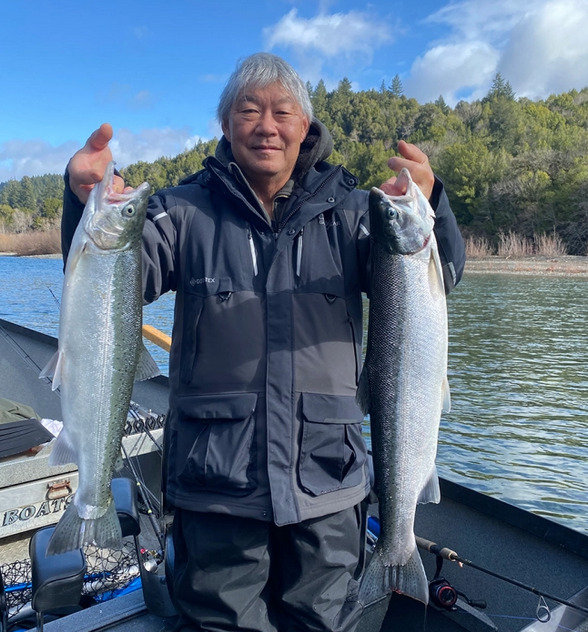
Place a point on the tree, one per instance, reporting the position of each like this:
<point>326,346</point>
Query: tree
<point>396,87</point>
<point>500,89</point>
<point>440,103</point>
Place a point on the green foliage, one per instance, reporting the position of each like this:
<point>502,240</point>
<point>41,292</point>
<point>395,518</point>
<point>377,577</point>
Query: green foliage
<point>508,164</point>
<point>166,172</point>
<point>396,86</point>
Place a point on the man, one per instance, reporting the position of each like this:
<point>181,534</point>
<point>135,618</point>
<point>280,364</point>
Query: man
<point>267,248</point>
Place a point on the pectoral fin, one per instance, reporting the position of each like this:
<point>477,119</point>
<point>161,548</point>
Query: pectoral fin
<point>53,370</point>
<point>146,367</point>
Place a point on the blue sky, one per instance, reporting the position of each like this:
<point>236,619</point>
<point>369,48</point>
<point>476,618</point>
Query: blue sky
<point>155,69</point>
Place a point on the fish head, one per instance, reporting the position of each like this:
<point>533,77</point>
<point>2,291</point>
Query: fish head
<point>114,221</point>
<point>401,224</point>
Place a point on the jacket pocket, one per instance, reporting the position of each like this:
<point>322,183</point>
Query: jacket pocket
<point>333,452</point>
<point>217,442</point>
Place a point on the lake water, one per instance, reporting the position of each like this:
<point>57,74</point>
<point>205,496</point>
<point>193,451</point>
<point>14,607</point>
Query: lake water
<point>518,427</point>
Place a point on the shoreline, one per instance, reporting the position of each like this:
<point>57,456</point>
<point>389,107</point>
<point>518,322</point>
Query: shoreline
<point>561,265</point>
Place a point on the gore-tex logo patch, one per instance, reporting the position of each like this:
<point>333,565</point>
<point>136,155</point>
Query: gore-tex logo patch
<point>194,281</point>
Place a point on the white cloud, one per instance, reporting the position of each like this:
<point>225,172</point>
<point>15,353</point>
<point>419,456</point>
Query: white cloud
<point>20,158</point>
<point>548,50</point>
<point>451,69</point>
<point>539,47</point>
<point>150,144</point>
<point>36,157</point>
<point>330,35</point>
<point>481,19</point>
<point>328,42</point>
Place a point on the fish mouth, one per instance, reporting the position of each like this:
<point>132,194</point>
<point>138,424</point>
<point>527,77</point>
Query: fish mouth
<point>104,225</point>
<point>105,185</point>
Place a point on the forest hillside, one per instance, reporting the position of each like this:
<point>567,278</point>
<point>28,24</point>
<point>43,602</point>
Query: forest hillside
<point>511,166</point>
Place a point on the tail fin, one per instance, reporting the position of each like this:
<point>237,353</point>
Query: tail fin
<point>409,579</point>
<point>72,532</point>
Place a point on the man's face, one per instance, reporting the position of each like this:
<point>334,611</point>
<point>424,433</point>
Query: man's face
<point>265,129</point>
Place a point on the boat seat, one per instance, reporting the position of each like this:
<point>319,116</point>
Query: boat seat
<point>56,579</point>
<point>124,491</point>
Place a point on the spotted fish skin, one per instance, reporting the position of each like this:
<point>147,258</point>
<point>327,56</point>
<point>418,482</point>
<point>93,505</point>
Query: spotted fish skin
<point>100,354</point>
<point>403,385</point>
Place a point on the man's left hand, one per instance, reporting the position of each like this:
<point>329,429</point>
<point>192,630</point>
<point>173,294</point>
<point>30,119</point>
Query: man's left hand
<point>417,163</point>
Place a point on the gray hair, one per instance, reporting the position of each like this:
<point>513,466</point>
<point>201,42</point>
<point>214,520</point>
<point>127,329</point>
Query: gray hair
<point>261,70</point>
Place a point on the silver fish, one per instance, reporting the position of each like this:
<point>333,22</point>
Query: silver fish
<point>100,354</point>
<point>403,385</point>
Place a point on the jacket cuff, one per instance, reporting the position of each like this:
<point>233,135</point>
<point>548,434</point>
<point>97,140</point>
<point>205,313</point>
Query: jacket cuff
<point>436,194</point>
<point>72,213</point>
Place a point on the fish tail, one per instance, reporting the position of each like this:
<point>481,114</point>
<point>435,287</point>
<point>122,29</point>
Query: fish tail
<point>379,579</point>
<point>410,578</point>
<point>373,583</point>
<point>72,532</point>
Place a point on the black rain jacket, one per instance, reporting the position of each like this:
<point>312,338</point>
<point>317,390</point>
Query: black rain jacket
<point>267,335</point>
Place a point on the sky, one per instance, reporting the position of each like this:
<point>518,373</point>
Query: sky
<point>155,70</point>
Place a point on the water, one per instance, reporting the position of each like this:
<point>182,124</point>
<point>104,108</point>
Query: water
<point>30,292</point>
<point>518,428</point>
<point>517,369</point>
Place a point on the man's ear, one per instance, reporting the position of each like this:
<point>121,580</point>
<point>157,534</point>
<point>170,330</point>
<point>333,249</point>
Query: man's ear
<point>305,128</point>
<point>226,131</point>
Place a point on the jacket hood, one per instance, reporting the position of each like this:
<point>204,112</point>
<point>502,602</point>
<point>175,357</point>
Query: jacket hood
<point>317,146</point>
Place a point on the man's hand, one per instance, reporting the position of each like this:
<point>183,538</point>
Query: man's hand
<point>417,163</point>
<point>87,166</point>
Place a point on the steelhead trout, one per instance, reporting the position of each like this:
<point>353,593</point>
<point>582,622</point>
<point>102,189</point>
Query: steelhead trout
<point>403,385</point>
<point>100,354</point>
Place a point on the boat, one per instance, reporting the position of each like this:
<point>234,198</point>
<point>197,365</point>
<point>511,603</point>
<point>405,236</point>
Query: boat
<point>491,565</point>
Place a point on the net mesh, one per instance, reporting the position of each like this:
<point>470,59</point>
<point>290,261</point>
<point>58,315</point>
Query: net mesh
<point>109,573</point>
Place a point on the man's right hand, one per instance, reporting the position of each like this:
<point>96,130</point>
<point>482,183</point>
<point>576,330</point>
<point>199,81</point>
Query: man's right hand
<point>87,166</point>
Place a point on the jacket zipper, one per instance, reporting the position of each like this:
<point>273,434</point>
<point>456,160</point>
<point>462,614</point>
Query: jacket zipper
<point>252,250</point>
<point>296,208</point>
<point>299,252</point>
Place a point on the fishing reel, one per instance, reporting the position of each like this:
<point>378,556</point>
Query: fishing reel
<point>443,595</point>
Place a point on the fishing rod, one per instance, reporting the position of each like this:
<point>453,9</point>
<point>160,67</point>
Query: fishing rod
<point>24,355</point>
<point>450,555</point>
<point>144,497</point>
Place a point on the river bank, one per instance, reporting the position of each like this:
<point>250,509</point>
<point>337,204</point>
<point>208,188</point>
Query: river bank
<point>564,265</point>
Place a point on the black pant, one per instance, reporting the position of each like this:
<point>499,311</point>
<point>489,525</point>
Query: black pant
<point>235,573</point>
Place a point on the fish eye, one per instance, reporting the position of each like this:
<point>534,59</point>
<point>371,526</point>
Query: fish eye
<point>128,210</point>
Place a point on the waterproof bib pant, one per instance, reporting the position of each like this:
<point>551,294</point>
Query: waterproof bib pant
<point>235,573</point>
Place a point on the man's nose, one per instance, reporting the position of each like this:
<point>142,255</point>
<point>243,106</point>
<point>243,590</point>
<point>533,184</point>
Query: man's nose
<point>266,124</point>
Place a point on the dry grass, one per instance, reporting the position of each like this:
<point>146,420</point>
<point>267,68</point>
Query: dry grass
<point>550,246</point>
<point>513,246</point>
<point>478,248</point>
<point>31,243</point>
